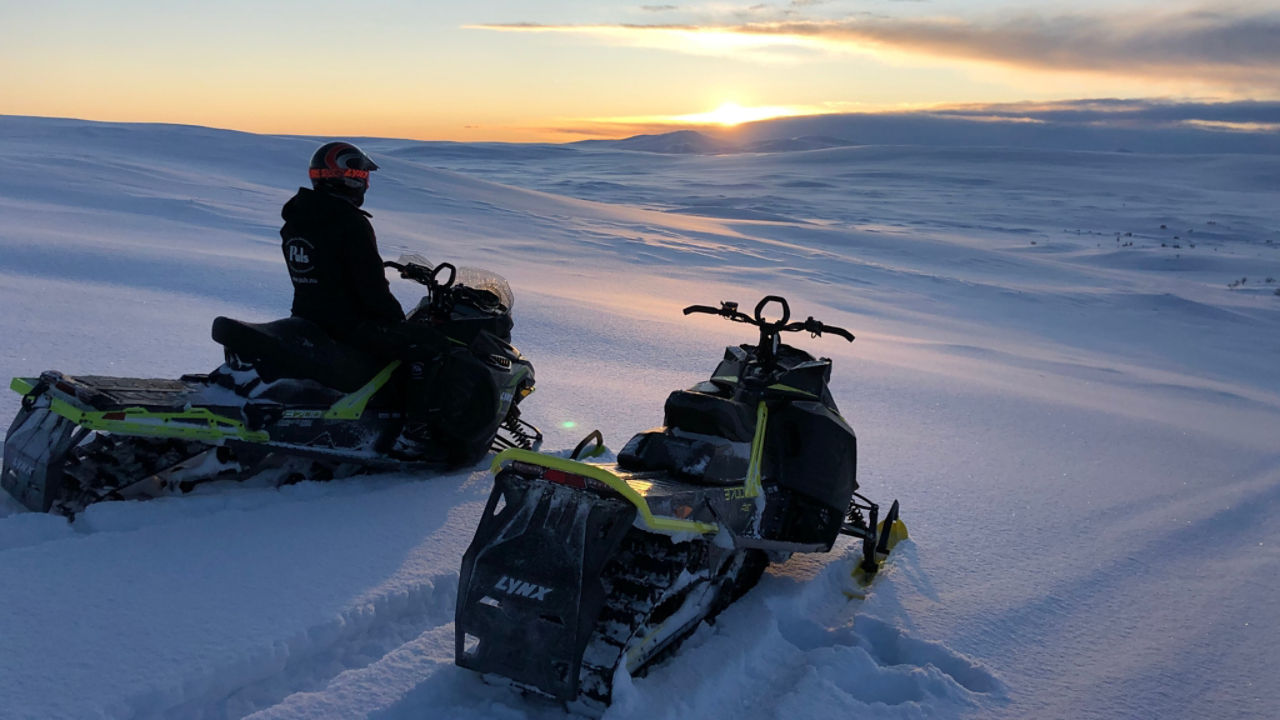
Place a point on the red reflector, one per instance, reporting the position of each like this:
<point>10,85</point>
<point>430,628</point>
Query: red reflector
<point>113,416</point>
<point>563,478</point>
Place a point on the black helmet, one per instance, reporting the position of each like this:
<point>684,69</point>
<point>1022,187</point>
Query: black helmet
<point>342,169</point>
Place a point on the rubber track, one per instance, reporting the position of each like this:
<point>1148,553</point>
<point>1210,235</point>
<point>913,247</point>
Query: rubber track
<point>105,466</point>
<point>640,583</point>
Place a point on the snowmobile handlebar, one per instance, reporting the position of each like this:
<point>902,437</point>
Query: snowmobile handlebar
<point>817,328</point>
<point>424,275</point>
<point>730,311</point>
<point>726,310</point>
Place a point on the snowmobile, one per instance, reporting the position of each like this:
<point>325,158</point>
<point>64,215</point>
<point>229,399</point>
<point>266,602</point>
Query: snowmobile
<point>289,402</point>
<point>579,569</point>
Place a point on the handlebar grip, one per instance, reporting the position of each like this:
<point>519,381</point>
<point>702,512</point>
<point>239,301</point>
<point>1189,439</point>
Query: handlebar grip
<point>838,331</point>
<point>817,327</point>
<point>701,309</point>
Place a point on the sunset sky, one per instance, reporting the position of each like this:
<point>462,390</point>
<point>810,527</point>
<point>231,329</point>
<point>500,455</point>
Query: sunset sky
<point>561,70</point>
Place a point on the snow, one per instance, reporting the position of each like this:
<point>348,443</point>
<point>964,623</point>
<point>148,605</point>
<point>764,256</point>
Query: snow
<point>1084,433</point>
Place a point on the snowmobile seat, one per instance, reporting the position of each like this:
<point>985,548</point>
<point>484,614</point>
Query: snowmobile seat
<point>707,440</point>
<point>706,414</point>
<point>701,459</point>
<point>296,348</point>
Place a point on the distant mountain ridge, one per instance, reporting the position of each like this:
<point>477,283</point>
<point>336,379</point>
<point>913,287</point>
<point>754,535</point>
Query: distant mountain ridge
<point>1145,129</point>
<point>693,142</point>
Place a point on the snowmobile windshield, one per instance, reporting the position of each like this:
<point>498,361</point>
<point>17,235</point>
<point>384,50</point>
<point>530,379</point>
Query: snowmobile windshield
<point>474,278</point>
<point>415,259</point>
<point>478,279</point>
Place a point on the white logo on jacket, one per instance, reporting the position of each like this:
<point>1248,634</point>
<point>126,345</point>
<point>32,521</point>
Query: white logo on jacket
<point>298,255</point>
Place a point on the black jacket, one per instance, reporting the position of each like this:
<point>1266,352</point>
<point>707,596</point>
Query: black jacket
<point>333,261</point>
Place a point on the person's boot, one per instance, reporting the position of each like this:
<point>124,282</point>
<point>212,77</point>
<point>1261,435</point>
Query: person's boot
<point>415,441</point>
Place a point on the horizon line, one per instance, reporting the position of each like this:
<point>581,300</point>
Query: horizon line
<point>1159,114</point>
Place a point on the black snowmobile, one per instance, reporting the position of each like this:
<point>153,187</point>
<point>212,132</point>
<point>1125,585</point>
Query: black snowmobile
<point>289,402</point>
<point>579,569</point>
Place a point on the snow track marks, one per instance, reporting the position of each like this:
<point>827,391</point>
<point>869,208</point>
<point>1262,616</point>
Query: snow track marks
<point>310,662</point>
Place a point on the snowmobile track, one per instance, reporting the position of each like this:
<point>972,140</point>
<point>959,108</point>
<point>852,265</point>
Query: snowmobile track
<point>648,582</point>
<point>310,662</point>
<point>106,467</point>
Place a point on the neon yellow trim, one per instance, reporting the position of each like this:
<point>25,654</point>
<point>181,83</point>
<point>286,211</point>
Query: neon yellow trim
<point>197,423</point>
<point>623,488</point>
<point>352,406</point>
<point>755,469</point>
<point>788,388</point>
<point>726,378</point>
<point>194,424</point>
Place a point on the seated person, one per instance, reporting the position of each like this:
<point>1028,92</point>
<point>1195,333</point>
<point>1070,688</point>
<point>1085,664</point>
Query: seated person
<point>339,283</point>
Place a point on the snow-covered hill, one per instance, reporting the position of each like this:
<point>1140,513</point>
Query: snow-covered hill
<point>1065,369</point>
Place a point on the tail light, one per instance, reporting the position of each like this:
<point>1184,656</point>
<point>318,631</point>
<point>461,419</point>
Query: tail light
<point>560,477</point>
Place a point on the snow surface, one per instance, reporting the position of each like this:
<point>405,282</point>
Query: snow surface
<point>1058,372</point>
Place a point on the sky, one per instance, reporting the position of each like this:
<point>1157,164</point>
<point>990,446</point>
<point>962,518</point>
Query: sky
<point>563,70</point>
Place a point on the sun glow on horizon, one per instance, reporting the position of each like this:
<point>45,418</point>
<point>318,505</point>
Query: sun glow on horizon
<point>730,114</point>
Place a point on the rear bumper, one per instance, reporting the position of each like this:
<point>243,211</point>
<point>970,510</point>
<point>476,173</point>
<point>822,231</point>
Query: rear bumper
<point>529,594</point>
<point>35,451</point>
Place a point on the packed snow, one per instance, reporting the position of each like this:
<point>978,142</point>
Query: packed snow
<point>1066,370</point>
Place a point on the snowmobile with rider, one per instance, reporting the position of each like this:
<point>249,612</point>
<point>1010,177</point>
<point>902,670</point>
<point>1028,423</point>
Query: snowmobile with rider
<point>579,570</point>
<point>289,402</point>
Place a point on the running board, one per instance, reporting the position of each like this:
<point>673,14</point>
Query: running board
<point>746,542</point>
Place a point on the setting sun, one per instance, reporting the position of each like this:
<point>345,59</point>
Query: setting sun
<point>731,113</point>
